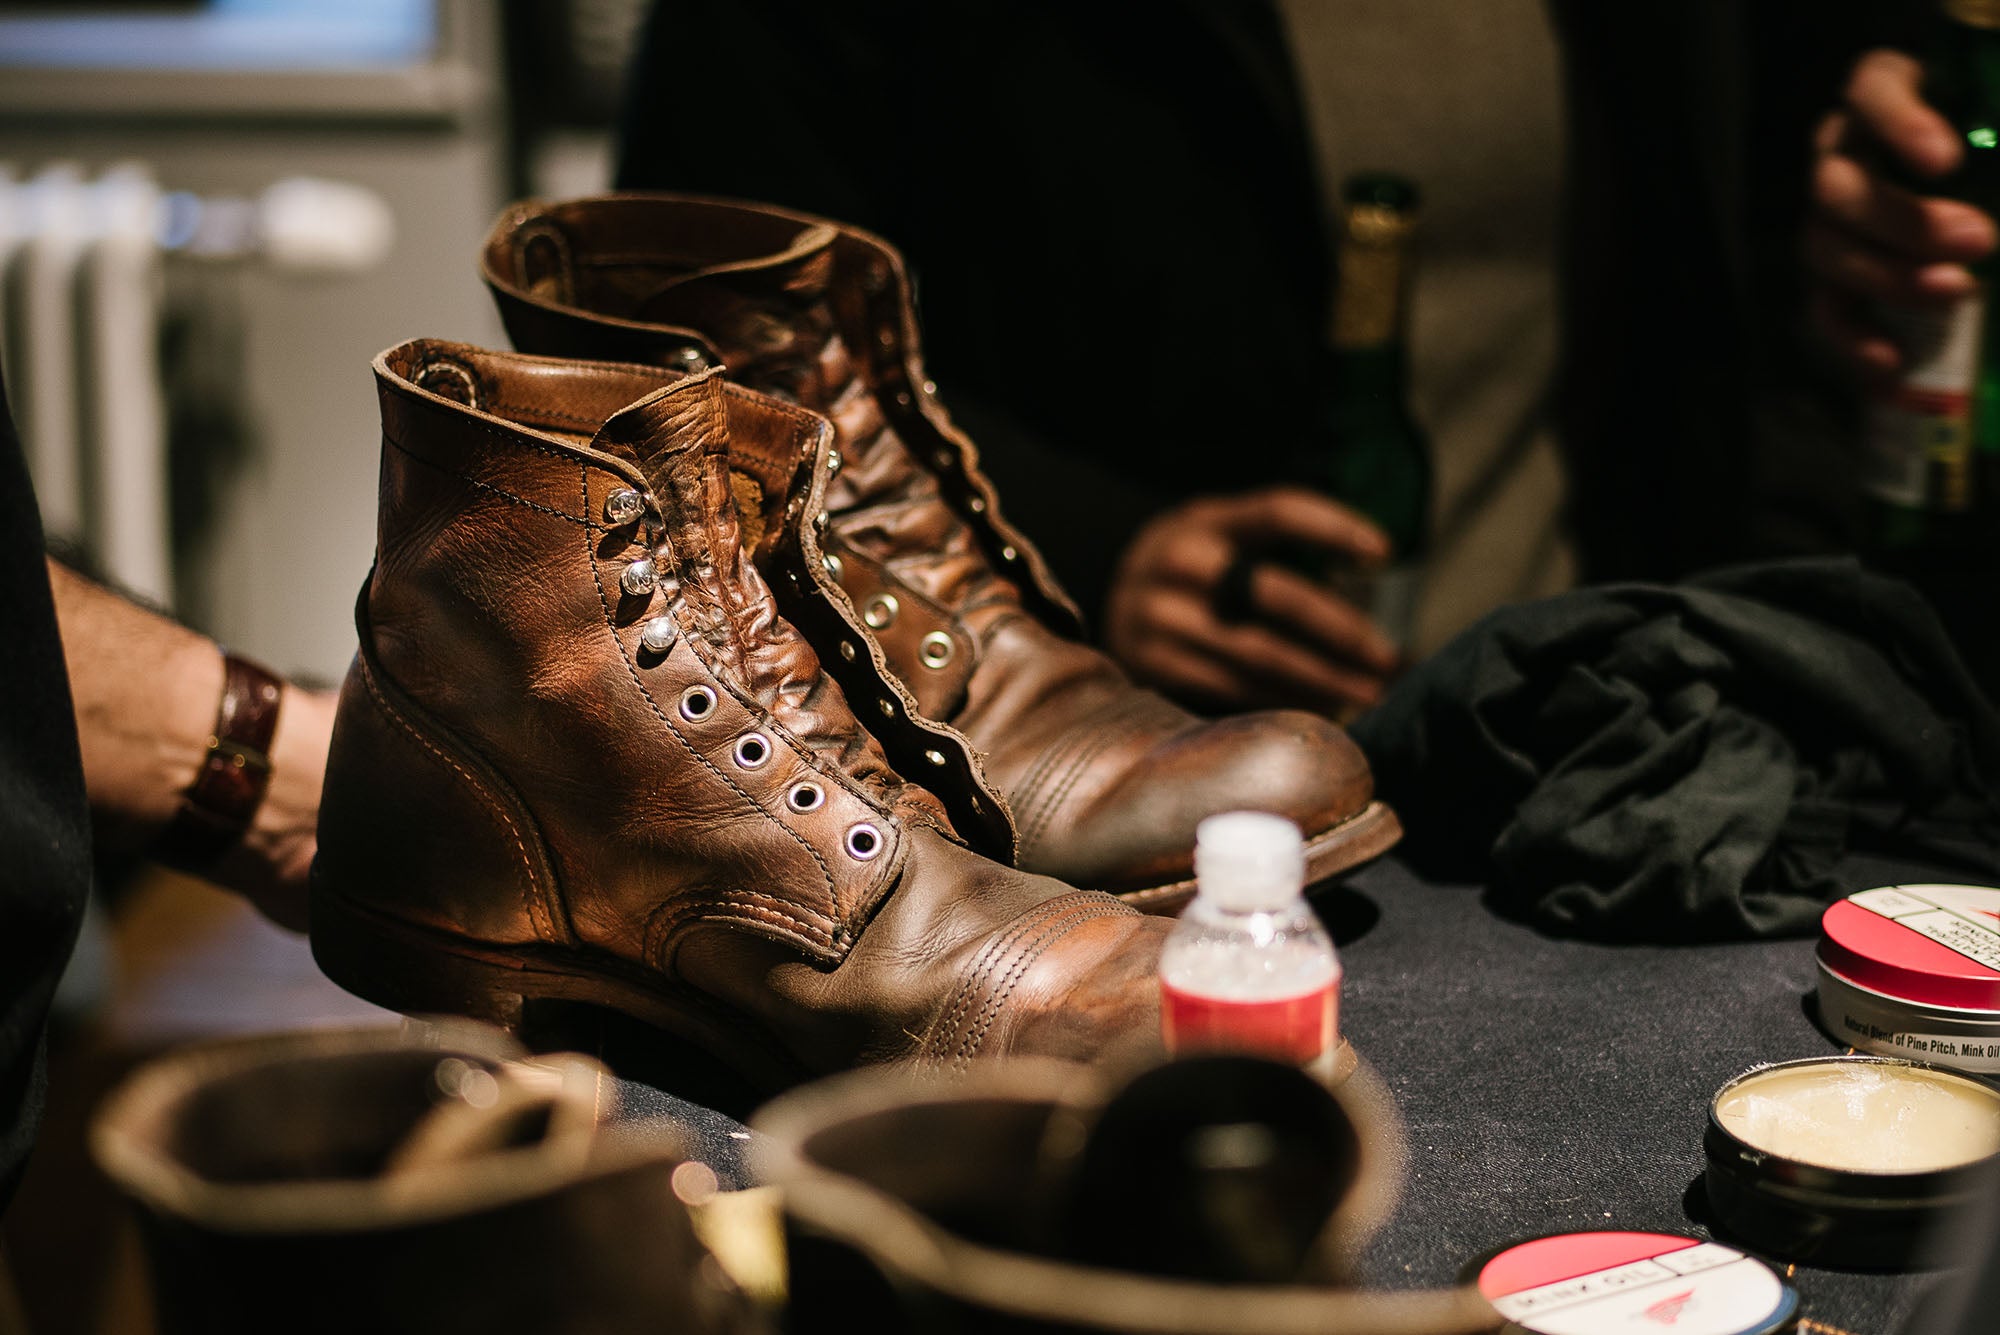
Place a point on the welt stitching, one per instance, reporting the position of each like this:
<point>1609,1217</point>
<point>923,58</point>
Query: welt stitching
<point>1057,928</point>
<point>501,492</point>
<point>596,575</point>
<point>520,844</point>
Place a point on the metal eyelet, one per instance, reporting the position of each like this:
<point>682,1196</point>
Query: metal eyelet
<point>847,650</point>
<point>902,398</point>
<point>880,611</point>
<point>832,564</point>
<point>864,842</point>
<point>697,703</point>
<point>833,463</point>
<point>689,360</point>
<point>944,459</point>
<point>752,750</point>
<point>623,506</point>
<point>887,706</point>
<point>658,635</point>
<point>977,505</point>
<point>936,649</point>
<point>820,521</point>
<point>1008,553</point>
<point>935,757</point>
<point>805,797</point>
<point>639,578</point>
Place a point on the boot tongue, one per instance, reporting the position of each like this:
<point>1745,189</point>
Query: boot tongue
<point>679,437</point>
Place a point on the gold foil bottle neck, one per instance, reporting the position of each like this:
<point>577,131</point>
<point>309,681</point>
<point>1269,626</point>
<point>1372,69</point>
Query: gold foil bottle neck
<point>1373,270</point>
<point>1974,13</point>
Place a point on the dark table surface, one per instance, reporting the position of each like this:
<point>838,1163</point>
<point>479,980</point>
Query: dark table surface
<point>1547,1085</point>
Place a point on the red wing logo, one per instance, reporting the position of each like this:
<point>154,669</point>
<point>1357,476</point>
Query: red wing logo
<point>1668,1310</point>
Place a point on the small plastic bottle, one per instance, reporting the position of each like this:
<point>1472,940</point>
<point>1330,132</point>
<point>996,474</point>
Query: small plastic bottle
<point>1249,968</point>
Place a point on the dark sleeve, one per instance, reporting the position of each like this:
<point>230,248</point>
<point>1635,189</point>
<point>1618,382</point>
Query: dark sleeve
<point>1111,210</point>
<point>1699,423</point>
<point>44,821</point>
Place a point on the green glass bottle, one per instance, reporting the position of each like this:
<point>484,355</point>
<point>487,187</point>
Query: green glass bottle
<point>1380,463</point>
<point>1933,461</point>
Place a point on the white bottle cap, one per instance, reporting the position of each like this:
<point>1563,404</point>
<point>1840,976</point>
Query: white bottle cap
<point>1249,861</point>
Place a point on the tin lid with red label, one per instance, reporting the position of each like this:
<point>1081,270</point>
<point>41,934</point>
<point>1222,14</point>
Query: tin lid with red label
<point>1588,1283</point>
<point>1936,945</point>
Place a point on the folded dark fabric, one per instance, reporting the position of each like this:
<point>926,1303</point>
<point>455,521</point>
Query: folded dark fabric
<point>1687,762</point>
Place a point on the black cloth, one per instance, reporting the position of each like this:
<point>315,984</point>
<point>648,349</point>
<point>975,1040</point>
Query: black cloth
<point>1648,762</point>
<point>44,819</point>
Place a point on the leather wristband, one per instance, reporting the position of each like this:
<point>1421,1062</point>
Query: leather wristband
<point>235,773</point>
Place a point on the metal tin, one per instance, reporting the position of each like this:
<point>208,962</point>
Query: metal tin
<point>1832,1216</point>
<point>1913,971</point>
<point>1589,1283</point>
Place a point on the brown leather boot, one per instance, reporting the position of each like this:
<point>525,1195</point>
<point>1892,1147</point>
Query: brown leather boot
<point>580,757</point>
<point>1104,782</point>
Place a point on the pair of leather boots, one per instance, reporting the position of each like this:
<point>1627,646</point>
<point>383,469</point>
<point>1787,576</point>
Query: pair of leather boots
<point>732,702</point>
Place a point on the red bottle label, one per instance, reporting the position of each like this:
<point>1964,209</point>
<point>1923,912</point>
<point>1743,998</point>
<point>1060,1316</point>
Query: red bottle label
<point>1298,1029</point>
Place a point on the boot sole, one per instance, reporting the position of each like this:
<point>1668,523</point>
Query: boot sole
<point>1362,837</point>
<point>530,991</point>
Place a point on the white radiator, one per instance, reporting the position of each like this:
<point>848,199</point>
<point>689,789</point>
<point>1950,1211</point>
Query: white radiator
<point>81,271</point>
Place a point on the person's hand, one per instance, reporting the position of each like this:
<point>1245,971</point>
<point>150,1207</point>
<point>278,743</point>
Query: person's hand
<point>1869,240</point>
<point>1293,643</point>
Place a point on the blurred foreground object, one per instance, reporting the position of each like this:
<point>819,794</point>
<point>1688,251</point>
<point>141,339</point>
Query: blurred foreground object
<point>909,1206</point>
<point>421,1180</point>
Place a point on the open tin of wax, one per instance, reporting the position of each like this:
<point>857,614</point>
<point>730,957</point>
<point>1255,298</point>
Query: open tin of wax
<point>1914,971</point>
<point>1847,1161</point>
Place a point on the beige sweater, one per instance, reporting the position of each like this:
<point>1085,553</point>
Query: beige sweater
<point>1464,97</point>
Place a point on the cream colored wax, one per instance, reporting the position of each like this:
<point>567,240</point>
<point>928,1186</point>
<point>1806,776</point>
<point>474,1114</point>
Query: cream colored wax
<point>1864,1117</point>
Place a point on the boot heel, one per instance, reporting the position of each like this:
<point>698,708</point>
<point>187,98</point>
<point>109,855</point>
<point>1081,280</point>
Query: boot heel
<point>392,966</point>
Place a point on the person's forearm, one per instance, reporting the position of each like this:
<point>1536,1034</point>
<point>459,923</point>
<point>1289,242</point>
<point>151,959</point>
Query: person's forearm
<point>146,693</point>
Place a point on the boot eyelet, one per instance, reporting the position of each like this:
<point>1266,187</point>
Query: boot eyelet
<point>752,750</point>
<point>887,706</point>
<point>658,635</point>
<point>687,360</point>
<point>639,578</point>
<point>697,703</point>
<point>623,506</point>
<point>864,842</point>
<point>977,505</point>
<point>936,650</point>
<point>1009,554</point>
<point>935,757</point>
<point>820,521</point>
<point>847,650</point>
<point>833,463</point>
<point>944,459</point>
<point>880,612</point>
<point>805,797</point>
<point>832,564</point>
